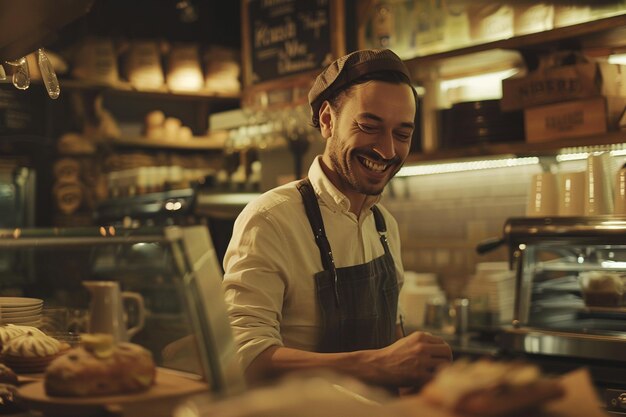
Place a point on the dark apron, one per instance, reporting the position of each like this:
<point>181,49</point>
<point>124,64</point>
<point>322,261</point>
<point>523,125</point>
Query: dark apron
<point>358,304</point>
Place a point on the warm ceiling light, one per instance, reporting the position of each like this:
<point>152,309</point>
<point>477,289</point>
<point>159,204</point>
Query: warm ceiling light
<point>409,171</point>
<point>619,59</point>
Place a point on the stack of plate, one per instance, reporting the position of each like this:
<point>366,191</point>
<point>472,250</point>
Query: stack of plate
<point>492,293</point>
<point>21,311</point>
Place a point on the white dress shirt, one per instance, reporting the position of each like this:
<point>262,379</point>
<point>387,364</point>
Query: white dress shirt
<point>272,258</point>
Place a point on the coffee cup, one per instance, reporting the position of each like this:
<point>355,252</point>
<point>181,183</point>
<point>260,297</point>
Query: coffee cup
<point>598,187</point>
<point>459,315</point>
<point>571,194</point>
<point>619,194</point>
<point>434,314</point>
<point>542,198</point>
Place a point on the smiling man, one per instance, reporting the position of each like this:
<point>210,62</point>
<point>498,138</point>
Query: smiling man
<point>313,269</point>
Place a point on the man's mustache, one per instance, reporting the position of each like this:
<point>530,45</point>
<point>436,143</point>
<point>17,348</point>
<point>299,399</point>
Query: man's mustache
<point>377,158</point>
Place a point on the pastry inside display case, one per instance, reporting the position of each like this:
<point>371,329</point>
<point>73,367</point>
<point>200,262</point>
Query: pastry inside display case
<point>86,301</point>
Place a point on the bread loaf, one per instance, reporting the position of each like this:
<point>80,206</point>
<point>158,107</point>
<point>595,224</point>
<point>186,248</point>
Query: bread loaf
<point>490,389</point>
<point>100,368</point>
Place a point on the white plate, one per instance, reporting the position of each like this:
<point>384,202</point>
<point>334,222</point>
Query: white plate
<point>31,316</point>
<point>30,310</point>
<point>14,302</point>
<point>36,324</point>
<point>28,321</point>
<point>21,313</point>
<point>22,319</point>
<point>20,306</point>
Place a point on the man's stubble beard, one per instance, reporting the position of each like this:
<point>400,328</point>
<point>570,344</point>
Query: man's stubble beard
<point>346,173</point>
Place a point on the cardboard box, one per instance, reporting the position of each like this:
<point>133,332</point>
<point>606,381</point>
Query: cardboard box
<point>570,82</point>
<point>567,119</point>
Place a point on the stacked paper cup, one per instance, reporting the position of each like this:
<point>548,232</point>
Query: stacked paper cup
<point>599,185</point>
<point>594,192</point>
<point>619,194</point>
<point>542,198</point>
<point>571,194</point>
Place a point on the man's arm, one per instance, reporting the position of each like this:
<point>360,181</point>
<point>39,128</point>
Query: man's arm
<point>409,361</point>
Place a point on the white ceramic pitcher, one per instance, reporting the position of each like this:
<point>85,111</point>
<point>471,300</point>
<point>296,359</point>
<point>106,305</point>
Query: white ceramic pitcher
<point>107,313</point>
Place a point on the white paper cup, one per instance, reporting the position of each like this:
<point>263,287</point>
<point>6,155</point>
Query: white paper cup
<point>542,197</point>
<point>598,185</point>
<point>619,194</point>
<point>571,193</point>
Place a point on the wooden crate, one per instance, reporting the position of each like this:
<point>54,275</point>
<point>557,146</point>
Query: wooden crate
<point>564,120</point>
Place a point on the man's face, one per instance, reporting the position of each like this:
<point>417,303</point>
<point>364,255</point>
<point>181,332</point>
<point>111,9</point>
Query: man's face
<point>370,137</point>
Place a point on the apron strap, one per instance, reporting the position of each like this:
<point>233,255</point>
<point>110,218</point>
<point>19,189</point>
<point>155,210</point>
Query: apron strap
<point>381,227</point>
<point>314,215</point>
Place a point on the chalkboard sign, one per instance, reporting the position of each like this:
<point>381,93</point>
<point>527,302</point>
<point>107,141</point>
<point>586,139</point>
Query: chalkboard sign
<point>288,37</point>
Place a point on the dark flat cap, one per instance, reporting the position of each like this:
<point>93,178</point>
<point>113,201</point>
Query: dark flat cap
<point>348,68</point>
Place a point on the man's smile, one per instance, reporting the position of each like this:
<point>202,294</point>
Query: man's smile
<point>373,166</point>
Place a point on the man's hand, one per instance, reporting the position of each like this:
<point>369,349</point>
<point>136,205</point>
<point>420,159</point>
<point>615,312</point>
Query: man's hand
<point>411,360</point>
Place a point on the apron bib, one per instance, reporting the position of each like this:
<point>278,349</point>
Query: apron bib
<point>358,304</point>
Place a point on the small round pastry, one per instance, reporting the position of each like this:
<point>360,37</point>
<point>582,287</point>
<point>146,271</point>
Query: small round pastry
<point>171,126</point>
<point>7,376</point>
<point>10,331</point>
<point>31,352</point>
<point>155,118</point>
<point>100,367</point>
<point>602,289</point>
<point>155,133</point>
<point>185,133</point>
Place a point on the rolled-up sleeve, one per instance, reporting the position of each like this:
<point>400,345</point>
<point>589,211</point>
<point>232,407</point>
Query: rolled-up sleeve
<point>256,270</point>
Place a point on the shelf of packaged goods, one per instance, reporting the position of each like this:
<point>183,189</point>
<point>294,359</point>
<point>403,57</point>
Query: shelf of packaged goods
<point>214,141</point>
<point>123,88</point>
<point>520,149</point>
<point>540,40</point>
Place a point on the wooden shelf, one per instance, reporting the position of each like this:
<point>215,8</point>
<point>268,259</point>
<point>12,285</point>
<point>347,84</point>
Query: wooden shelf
<point>545,40</point>
<point>518,148</point>
<point>124,88</point>
<point>213,142</point>
<point>603,35</point>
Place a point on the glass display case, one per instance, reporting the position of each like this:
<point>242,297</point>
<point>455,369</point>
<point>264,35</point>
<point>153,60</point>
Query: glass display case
<point>172,271</point>
<point>570,280</point>
<point>570,310</point>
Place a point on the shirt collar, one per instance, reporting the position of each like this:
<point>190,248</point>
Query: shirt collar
<point>329,194</point>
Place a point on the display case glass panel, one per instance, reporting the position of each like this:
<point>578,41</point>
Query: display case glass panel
<point>173,271</point>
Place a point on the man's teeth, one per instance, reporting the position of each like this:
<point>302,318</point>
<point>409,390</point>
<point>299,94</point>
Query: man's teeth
<point>374,166</point>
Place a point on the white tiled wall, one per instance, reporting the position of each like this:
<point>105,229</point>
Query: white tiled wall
<point>442,217</point>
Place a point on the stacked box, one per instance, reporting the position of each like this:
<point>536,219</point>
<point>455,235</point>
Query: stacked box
<point>568,101</point>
